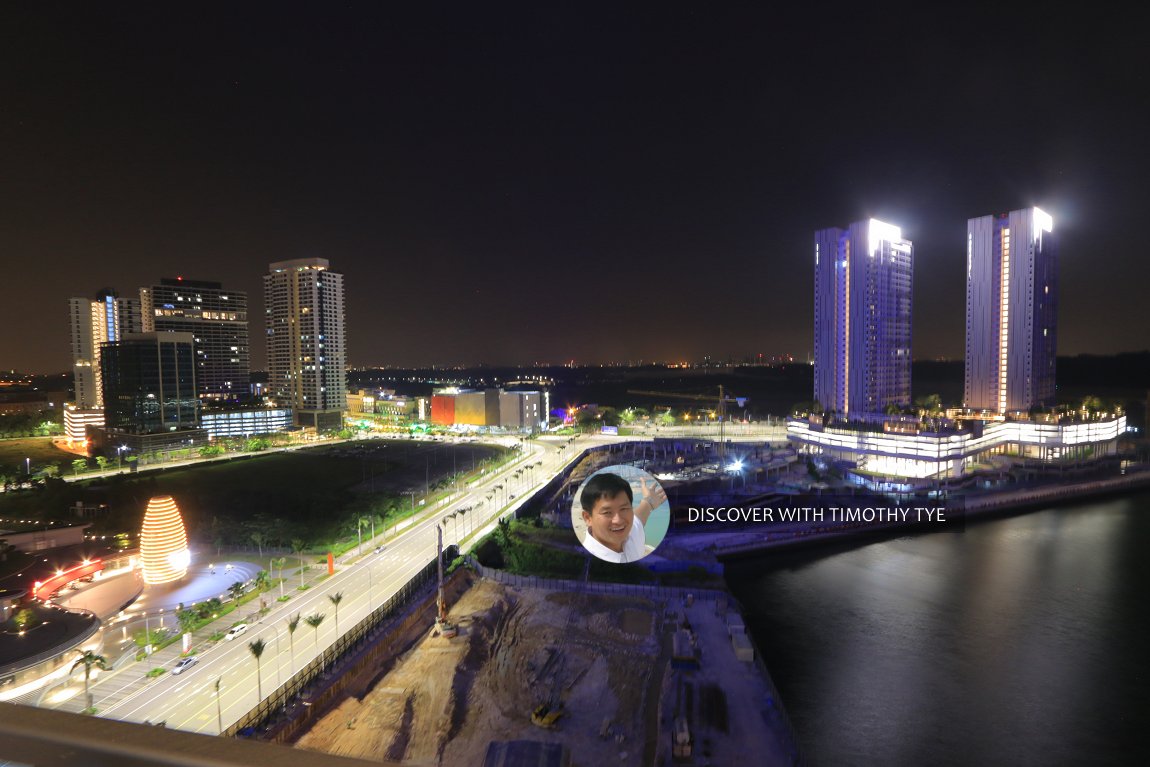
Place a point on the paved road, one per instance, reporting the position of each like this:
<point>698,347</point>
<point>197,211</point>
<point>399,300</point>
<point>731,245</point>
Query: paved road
<point>188,701</point>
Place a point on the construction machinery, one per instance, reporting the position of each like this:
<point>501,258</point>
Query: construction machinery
<point>444,627</point>
<point>722,399</point>
<point>545,715</point>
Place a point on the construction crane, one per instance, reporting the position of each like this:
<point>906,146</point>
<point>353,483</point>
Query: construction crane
<point>722,399</point>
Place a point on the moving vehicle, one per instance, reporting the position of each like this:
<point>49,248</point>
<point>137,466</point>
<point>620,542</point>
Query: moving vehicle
<point>183,664</point>
<point>235,631</point>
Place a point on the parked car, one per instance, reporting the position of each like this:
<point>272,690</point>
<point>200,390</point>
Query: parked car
<point>184,663</point>
<point>236,630</point>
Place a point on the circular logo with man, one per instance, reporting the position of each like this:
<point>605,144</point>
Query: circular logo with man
<point>620,514</point>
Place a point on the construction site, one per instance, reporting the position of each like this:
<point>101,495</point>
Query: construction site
<point>561,678</point>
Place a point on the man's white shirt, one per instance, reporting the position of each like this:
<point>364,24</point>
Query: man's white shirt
<point>634,549</point>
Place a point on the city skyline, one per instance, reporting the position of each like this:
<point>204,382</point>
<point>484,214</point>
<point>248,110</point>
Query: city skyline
<point>477,175</point>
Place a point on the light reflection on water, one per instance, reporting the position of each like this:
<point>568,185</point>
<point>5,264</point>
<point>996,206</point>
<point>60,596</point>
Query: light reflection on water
<point>1017,641</point>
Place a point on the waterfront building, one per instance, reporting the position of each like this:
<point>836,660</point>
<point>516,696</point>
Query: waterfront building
<point>218,320</point>
<point>862,338</point>
<point>304,303</point>
<point>92,323</point>
<point>950,451</point>
<point>1011,312</point>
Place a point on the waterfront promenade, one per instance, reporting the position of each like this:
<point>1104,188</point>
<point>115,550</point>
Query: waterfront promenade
<point>744,540</point>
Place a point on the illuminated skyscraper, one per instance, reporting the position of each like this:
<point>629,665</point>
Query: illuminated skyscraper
<point>108,318</point>
<point>305,340</point>
<point>218,319</point>
<point>863,279</point>
<point>1011,311</point>
<point>149,382</point>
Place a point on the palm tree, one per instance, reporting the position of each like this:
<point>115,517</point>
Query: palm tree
<point>361,523</point>
<point>187,620</point>
<point>336,598</point>
<point>257,648</point>
<point>292,624</point>
<point>314,620</point>
<point>88,659</point>
<point>280,562</point>
<point>237,590</point>
<point>297,546</point>
<point>258,539</point>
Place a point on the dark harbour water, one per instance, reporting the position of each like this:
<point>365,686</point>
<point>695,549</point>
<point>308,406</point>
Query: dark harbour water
<point>1019,641</point>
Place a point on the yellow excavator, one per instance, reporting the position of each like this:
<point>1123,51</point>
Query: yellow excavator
<point>545,715</point>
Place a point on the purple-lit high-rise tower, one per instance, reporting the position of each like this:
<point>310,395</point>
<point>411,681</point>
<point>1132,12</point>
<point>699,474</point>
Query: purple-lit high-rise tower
<point>863,279</point>
<point>1011,311</point>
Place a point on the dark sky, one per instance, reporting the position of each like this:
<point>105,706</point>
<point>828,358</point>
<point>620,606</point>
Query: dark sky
<point>508,184</point>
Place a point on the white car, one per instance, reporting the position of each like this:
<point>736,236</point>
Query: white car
<point>184,664</point>
<point>236,630</point>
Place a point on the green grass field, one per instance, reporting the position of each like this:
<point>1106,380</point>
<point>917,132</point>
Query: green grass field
<point>39,449</point>
<point>311,495</point>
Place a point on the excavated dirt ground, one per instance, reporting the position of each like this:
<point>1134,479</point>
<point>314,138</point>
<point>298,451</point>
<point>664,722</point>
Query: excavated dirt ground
<point>446,699</point>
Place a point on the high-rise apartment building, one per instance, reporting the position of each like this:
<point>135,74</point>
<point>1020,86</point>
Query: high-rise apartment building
<point>217,319</point>
<point>863,280</point>
<point>306,348</point>
<point>1011,311</point>
<point>95,322</point>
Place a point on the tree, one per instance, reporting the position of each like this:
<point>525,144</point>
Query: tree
<point>930,405</point>
<point>258,539</point>
<point>280,562</point>
<point>1092,405</point>
<point>101,462</point>
<point>88,660</point>
<point>292,624</point>
<point>361,523</point>
<point>80,465</point>
<point>237,589</point>
<point>24,618</point>
<point>336,598</point>
<point>263,580</point>
<point>314,620</point>
<point>257,647</point>
<point>187,620</point>
<point>297,546</point>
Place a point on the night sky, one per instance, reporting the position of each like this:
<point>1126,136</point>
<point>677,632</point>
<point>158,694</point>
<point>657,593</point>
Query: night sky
<point>510,184</point>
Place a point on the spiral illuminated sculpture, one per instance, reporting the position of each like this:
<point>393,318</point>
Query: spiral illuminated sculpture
<point>163,542</point>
